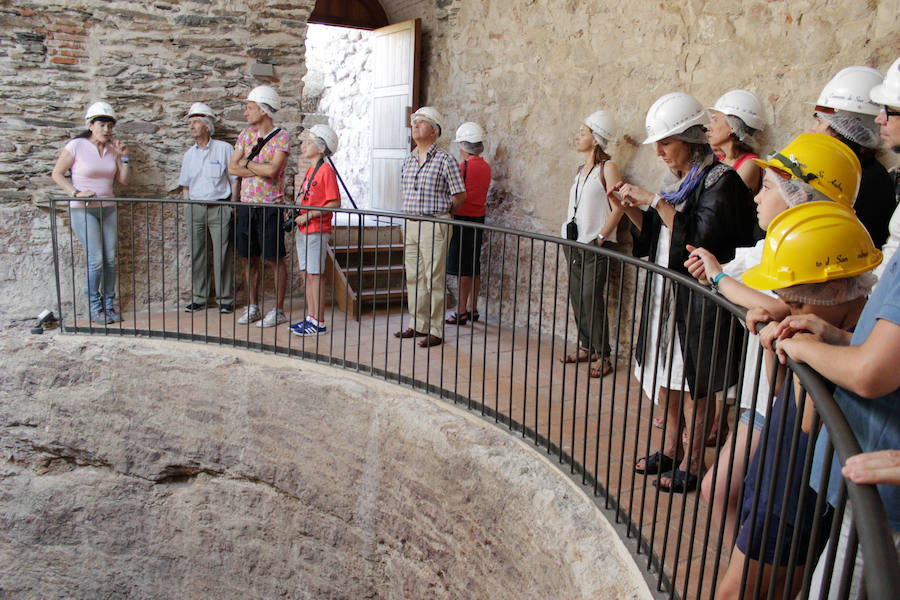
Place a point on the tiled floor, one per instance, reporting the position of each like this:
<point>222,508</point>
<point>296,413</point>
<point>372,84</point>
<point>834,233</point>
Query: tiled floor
<point>603,423</point>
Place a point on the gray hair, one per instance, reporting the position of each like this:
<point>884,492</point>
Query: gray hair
<point>695,134</point>
<point>474,148</point>
<point>267,109</point>
<point>210,126</point>
<point>741,130</point>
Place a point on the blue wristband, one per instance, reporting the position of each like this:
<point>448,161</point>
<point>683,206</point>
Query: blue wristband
<point>714,282</point>
<point>124,159</point>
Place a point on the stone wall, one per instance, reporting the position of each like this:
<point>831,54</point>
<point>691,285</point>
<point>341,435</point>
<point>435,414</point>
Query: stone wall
<point>150,61</point>
<point>338,89</point>
<point>205,477</point>
<point>528,72</point>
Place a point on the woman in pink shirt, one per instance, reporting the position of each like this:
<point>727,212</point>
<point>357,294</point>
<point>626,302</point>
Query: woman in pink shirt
<point>96,160</point>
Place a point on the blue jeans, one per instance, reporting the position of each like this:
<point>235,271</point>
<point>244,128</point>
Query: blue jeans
<point>97,230</point>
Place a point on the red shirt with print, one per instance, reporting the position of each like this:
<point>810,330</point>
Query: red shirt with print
<point>320,191</point>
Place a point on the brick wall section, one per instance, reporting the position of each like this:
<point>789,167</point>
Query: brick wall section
<point>150,61</point>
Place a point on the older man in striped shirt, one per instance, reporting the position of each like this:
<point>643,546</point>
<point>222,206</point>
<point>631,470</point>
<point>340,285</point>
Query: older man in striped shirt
<point>432,185</point>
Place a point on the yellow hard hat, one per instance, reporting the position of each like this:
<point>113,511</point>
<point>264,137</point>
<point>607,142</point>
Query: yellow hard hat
<point>812,243</point>
<point>825,163</point>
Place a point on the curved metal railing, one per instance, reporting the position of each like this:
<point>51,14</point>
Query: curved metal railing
<point>507,367</point>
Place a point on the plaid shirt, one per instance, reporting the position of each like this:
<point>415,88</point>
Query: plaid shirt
<point>428,188</point>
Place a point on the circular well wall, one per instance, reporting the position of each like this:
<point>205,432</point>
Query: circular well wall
<point>146,469</point>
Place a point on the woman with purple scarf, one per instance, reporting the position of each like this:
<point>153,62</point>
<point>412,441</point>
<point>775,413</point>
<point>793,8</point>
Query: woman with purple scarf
<point>701,202</point>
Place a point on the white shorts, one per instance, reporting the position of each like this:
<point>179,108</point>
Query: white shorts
<point>311,250</point>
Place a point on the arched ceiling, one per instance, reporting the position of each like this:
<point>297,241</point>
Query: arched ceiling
<point>365,14</point>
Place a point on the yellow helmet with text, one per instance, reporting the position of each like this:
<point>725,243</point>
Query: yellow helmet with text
<point>813,243</point>
<point>825,163</point>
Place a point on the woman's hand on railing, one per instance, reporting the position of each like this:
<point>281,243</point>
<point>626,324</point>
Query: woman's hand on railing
<point>822,330</point>
<point>757,316</point>
<point>768,335</point>
<point>85,194</point>
<point>874,467</point>
<point>702,265</point>
<point>796,331</point>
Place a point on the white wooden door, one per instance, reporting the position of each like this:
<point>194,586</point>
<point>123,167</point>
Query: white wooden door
<point>395,96</point>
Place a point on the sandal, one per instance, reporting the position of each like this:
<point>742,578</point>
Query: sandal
<point>458,318</point>
<point>475,315</point>
<point>431,340</point>
<point>603,371</point>
<point>579,357</point>
<point>655,463</point>
<point>681,482</point>
<point>407,333</point>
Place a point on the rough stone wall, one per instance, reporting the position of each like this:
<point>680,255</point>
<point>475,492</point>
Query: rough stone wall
<point>530,71</point>
<point>205,477</point>
<point>150,61</point>
<point>338,89</point>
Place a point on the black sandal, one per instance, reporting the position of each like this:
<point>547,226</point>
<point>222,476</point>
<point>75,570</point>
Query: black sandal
<point>475,315</point>
<point>459,319</point>
<point>656,463</point>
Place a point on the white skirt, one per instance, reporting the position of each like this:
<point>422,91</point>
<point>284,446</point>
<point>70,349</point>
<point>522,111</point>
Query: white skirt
<point>656,361</point>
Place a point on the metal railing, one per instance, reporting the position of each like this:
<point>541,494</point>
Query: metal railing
<point>509,367</point>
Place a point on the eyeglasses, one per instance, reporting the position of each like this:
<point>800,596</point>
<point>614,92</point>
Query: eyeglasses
<point>888,112</point>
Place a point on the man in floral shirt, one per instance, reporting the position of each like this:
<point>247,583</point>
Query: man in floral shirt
<point>260,157</point>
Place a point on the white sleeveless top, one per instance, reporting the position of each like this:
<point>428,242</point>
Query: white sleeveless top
<point>593,206</point>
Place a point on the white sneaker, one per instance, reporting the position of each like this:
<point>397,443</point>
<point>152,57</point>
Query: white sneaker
<point>251,313</point>
<point>275,317</point>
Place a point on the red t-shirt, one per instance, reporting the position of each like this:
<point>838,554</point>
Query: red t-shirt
<point>477,177</point>
<point>322,190</point>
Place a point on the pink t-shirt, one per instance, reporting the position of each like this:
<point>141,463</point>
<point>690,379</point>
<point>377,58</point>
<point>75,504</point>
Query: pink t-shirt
<point>92,171</point>
<point>266,190</point>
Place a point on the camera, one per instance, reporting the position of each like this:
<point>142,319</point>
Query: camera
<point>572,230</point>
<point>288,225</point>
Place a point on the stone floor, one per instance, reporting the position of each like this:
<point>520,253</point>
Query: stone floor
<point>602,423</point>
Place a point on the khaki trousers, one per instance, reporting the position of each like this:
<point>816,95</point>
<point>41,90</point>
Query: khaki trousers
<point>425,253</point>
<point>205,221</point>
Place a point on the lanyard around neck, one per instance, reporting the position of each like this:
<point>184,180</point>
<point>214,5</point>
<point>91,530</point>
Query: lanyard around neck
<point>583,183</point>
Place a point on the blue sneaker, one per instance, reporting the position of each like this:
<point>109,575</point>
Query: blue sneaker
<point>112,316</point>
<point>307,327</point>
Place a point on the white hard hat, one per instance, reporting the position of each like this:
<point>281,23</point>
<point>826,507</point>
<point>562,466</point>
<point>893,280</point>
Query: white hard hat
<point>470,132</point>
<point>889,91</point>
<point>849,90</point>
<point>328,136</point>
<point>201,110</point>
<point>601,123</point>
<point>264,94</point>
<point>672,114</point>
<point>99,109</point>
<point>431,115</point>
<point>743,104</point>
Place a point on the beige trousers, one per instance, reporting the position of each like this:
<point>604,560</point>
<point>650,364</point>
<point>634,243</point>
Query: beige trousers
<point>425,253</point>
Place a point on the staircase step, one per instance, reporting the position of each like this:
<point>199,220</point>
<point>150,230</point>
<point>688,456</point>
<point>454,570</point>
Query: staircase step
<point>368,247</point>
<point>381,295</point>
